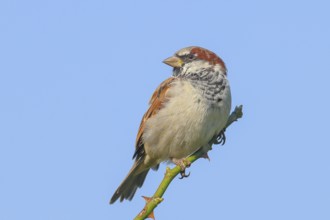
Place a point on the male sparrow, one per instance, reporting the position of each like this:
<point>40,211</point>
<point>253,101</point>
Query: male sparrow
<point>186,112</point>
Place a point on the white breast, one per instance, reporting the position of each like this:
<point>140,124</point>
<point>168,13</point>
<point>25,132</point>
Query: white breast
<point>185,124</point>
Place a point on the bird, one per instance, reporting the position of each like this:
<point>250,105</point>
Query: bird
<point>186,112</point>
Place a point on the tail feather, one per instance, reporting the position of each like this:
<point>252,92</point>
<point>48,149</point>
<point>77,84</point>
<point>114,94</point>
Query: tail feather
<point>131,183</point>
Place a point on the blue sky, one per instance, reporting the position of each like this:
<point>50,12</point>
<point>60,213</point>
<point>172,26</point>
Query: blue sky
<point>75,79</point>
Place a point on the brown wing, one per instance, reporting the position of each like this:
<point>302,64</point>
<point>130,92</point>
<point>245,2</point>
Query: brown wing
<point>158,98</point>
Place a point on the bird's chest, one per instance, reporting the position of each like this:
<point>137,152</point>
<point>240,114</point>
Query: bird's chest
<point>201,111</point>
<point>188,121</point>
<point>212,104</point>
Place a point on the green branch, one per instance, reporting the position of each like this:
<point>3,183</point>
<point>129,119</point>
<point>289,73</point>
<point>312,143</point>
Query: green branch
<point>170,174</point>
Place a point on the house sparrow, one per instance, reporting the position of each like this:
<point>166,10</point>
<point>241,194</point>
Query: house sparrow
<point>186,112</point>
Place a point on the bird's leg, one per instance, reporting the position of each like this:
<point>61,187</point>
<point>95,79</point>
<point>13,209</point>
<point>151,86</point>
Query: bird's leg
<point>183,163</point>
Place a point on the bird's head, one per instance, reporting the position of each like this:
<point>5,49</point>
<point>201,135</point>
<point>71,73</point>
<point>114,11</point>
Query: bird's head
<point>192,60</point>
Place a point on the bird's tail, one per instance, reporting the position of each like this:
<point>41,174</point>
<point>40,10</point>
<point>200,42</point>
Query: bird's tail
<point>133,180</point>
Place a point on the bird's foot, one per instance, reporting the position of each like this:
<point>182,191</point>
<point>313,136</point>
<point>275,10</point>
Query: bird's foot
<point>183,164</point>
<point>221,138</point>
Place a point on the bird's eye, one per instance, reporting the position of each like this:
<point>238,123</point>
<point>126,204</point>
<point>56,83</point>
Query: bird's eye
<point>191,56</point>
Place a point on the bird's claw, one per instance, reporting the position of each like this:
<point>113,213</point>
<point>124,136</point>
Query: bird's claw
<point>183,164</point>
<point>183,174</point>
<point>221,138</point>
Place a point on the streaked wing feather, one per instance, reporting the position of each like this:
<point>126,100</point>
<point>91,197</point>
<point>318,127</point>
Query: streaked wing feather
<point>158,98</point>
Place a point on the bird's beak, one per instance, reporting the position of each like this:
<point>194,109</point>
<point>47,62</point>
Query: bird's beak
<point>173,61</point>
